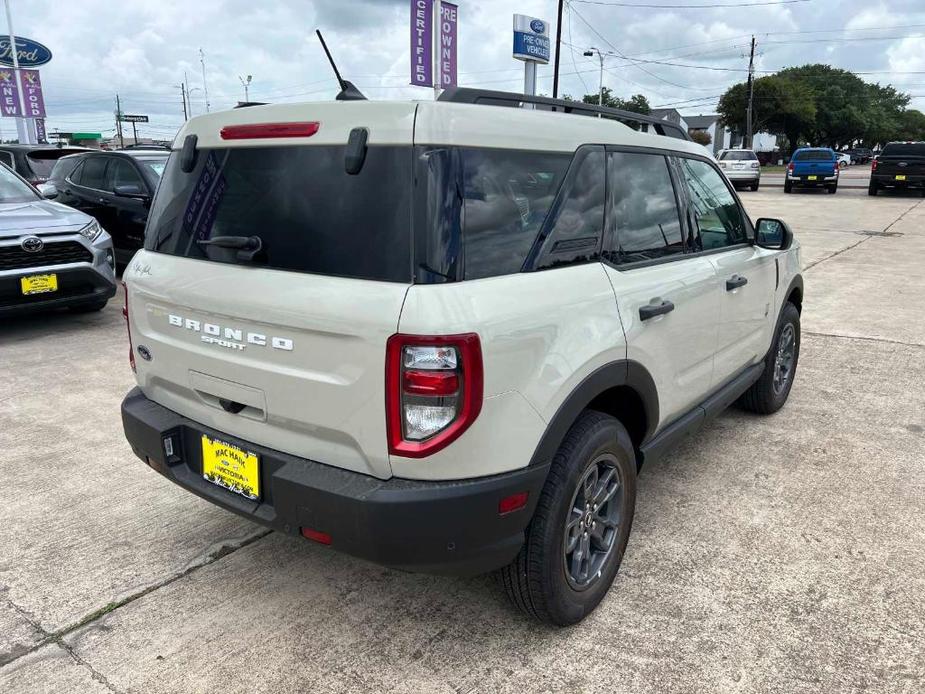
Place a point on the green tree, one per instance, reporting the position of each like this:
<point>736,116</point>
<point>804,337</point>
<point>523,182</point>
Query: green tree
<point>637,103</point>
<point>701,137</point>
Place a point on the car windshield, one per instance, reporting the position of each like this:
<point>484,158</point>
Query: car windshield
<point>154,165</point>
<point>738,156</point>
<point>813,155</point>
<point>12,189</point>
<point>904,149</point>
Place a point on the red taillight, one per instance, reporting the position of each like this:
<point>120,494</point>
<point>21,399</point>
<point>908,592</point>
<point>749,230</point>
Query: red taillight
<point>512,503</point>
<point>316,535</point>
<point>790,167</point>
<point>255,131</point>
<point>433,388</point>
<point>131,350</point>
<point>873,164</point>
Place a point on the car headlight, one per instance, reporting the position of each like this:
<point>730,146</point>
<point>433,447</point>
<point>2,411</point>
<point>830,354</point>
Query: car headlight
<point>92,231</point>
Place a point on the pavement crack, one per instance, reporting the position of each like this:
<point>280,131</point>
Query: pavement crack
<point>94,673</point>
<point>866,238</point>
<point>222,550</point>
<point>884,340</point>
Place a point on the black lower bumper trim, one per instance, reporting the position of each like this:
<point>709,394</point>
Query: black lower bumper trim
<point>432,527</point>
<point>77,286</point>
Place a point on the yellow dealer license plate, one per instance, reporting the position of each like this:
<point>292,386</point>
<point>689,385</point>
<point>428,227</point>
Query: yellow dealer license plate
<point>38,284</point>
<point>811,178</point>
<point>900,177</point>
<point>231,467</point>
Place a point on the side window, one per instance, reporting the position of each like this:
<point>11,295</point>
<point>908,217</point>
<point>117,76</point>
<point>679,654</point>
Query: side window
<point>93,173</point>
<point>717,216</point>
<point>643,219</point>
<point>74,175</point>
<point>6,158</point>
<point>122,173</point>
<point>577,220</point>
<point>506,195</point>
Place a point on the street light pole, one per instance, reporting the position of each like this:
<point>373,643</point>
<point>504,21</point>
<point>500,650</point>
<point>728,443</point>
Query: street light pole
<point>205,89</point>
<point>600,89</point>
<point>246,84</point>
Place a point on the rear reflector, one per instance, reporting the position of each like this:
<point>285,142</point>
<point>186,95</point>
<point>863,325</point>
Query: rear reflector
<point>511,503</point>
<point>316,535</point>
<point>259,131</point>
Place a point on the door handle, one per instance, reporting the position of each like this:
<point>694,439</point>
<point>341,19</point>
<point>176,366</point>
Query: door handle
<point>653,310</point>
<point>735,282</point>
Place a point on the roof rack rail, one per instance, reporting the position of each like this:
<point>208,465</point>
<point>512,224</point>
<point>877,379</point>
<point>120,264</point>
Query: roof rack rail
<point>468,95</point>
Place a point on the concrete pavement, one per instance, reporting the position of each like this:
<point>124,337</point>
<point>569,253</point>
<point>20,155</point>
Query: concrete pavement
<point>780,554</point>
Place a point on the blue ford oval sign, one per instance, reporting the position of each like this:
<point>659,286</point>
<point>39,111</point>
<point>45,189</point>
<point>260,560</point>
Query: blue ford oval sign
<point>30,53</point>
<point>538,26</point>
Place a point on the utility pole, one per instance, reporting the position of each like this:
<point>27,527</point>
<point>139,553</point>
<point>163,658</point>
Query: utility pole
<point>205,89</point>
<point>751,90</point>
<point>555,70</point>
<point>119,123</point>
<point>182,87</point>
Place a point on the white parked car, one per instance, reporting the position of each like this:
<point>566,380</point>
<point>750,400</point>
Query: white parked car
<point>843,159</point>
<point>741,167</point>
<point>444,336</point>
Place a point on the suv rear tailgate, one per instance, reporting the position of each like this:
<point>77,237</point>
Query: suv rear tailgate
<point>303,354</point>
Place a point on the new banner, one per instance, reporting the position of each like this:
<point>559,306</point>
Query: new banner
<point>9,94</point>
<point>449,16</point>
<point>422,43</point>
<point>32,94</point>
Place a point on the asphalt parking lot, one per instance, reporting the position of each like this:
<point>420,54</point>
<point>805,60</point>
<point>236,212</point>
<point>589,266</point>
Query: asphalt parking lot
<point>780,554</point>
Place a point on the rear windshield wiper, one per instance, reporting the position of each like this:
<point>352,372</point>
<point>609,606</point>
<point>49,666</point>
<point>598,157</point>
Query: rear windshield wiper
<point>248,246</point>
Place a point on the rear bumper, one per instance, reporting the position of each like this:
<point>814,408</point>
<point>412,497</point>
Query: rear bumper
<point>78,285</point>
<point>821,180</point>
<point>889,180</point>
<point>431,527</point>
<point>743,176</point>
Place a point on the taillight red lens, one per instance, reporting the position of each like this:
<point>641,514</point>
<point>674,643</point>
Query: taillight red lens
<point>316,535</point>
<point>790,167</point>
<point>430,382</point>
<point>433,390</point>
<point>128,328</point>
<point>873,164</point>
<point>255,131</point>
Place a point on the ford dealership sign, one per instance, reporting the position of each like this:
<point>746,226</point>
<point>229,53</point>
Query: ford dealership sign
<point>30,53</point>
<point>531,39</point>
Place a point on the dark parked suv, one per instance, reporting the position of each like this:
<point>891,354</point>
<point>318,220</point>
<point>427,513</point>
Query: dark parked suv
<point>116,188</point>
<point>899,165</point>
<point>34,162</point>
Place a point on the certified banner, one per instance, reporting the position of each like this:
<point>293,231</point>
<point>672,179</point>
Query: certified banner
<point>9,94</point>
<point>422,43</point>
<point>449,24</point>
<point>32,93</point>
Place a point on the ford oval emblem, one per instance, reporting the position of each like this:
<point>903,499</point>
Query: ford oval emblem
<point>30,53</point>
<point>538,26</point>
<point>32,244</point>
<point>144,353</point>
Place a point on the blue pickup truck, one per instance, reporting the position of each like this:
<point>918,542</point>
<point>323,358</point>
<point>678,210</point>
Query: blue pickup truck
<point>810,167</point>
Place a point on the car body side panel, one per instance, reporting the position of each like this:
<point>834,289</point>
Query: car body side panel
<point>542,333</point>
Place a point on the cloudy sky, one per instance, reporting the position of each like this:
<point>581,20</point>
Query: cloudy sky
<point>666,49</point>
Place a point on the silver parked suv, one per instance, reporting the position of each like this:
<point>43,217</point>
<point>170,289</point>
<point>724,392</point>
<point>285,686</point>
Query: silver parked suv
<point>445,335</point>
<point>51,256</point>
<point>741,167</point>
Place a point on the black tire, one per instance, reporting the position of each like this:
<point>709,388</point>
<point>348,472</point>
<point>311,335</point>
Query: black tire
<point>788,187</point>
<point>872,189</point>
<point>768,394</point>
<point>832,189</point>
<point>90,308</point>
<point>539,581</point>
<point>754,186</point>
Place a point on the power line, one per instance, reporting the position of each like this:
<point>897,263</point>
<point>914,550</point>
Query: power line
<point>653,5</point>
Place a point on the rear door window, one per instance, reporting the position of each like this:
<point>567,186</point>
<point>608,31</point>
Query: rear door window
<point>92,174</point>
<point>308,213</point>
<point>642,213</point>
<point>122,173</point>
<point>506,196</point>
<point>738,156</point>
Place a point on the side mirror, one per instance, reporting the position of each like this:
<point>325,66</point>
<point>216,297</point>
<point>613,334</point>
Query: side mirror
<point>773,234</point>
<point>130,191</point>
<point>48,190</point>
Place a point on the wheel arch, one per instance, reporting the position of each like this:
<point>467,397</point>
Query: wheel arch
<point>623,389</point>
<point>795,293</point>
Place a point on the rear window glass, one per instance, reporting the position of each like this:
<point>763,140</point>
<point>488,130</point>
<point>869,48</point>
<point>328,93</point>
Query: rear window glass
<point>43,161</point>
<point>904,149</point>
<point>155,166</point>
<point>814,155</point>
<point>309,214</point>
<point>738,156</point>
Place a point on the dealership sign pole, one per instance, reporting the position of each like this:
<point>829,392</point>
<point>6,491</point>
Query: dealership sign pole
<point>21,130</point>
<point>434,39</point>
<point>531,45</point>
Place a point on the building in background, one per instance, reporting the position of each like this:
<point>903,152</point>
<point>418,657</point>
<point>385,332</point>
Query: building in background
<point>721,137</point>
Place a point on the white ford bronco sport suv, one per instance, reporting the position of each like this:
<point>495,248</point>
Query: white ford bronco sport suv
<point>445,336</point>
